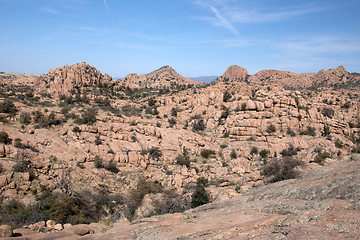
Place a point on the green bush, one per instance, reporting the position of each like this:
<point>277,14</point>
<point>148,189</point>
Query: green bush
<point>143,187</point>
<point>206,153</point>
<point>198,125</point>
<point>290,151</point>
<point>4,138</point>
<point>25,118</point>
<point>98,162</point>
<point>278,170</point>
<point>155,153</point>
<point>18,143</point>
<point>271,128</point>
<point>290,132</point>
<point>233,154</point>
<point>320,158</point>
<point>227,96</point>
<point>76,129</point>
<point>264,154</point>
<point>172,121</point>
<point>254,150</point>
<point>200,196</point>
<point>328,112</point>
<point>8,106</point>
<point>88,116</point>
<point>311,131</point>
<point>111,166</point>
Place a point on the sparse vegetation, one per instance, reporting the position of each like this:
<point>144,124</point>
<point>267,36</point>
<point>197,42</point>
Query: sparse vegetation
<point>277,170</point>
<point>311,131</point>
<point>320,158</point>
<point>271,128</point>
<point>206,153</point>
<point>328,112</point>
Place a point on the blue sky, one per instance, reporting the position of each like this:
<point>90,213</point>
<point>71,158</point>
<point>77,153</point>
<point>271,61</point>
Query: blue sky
<point>195,37</point>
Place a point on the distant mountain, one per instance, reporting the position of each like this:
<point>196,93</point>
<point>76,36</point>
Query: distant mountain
<point>204,78</point>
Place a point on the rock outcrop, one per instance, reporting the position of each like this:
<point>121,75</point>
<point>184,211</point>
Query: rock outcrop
<point>163,78</point>
<point>70,78</point>
<point>233,74</point>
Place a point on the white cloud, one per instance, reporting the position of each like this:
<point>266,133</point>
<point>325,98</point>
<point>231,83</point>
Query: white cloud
<point>50,10</point>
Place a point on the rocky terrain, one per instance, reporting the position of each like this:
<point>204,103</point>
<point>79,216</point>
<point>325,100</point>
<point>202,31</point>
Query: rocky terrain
<point>137,148</point>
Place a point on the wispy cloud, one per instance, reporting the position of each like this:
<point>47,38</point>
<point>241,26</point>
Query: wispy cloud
<point>222,21</point>
<point>228,13</point>
<point>51,11</point>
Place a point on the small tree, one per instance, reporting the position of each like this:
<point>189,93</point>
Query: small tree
<point>200,196</point>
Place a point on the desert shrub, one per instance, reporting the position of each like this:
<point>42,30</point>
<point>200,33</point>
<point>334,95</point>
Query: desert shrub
<point>233,154</point>
<point>271,128</point>
<point>200,196</point>
<point>184,158</point>
<point>328,112</point>
<point>198,125</point>
<point>356,149</point>
<point>264,154</point>
<point>151,102</point>
<point>4,138</point>
<point>111,166</point>
<point>346,105</point>
<point>88,116</point>
<point>143,187</point>
<point>290,132</point>
<point>8,106</point>
<point>172,202</point>
<point>22,160</point>
<point>254,150</point>
<point>311,131</point>
<point>278,170</point>
<point>183,161</point>
<point>174,111</point>
<point>76,129</point>
<point>1,168</point>
<point>98,162</point>
<point>97,141</point>
<point>172,121</point>
<point>25,118</point>
<point>290,151</point>
<point>227,96</point>
<point>206,153</point>
<point>320,158</point>
<point>18,143</point>
<point>243,106</point>
<point>155,153</point>
<point>326,130</point>
<point>339,143</point>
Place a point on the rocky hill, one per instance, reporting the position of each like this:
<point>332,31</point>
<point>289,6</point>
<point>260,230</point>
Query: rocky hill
<point>163,78</point>
<point>135,153</point>
<point>70,78</point>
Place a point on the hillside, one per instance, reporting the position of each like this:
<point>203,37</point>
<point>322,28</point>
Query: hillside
<point>163,78</point>
<point>137,148</point>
